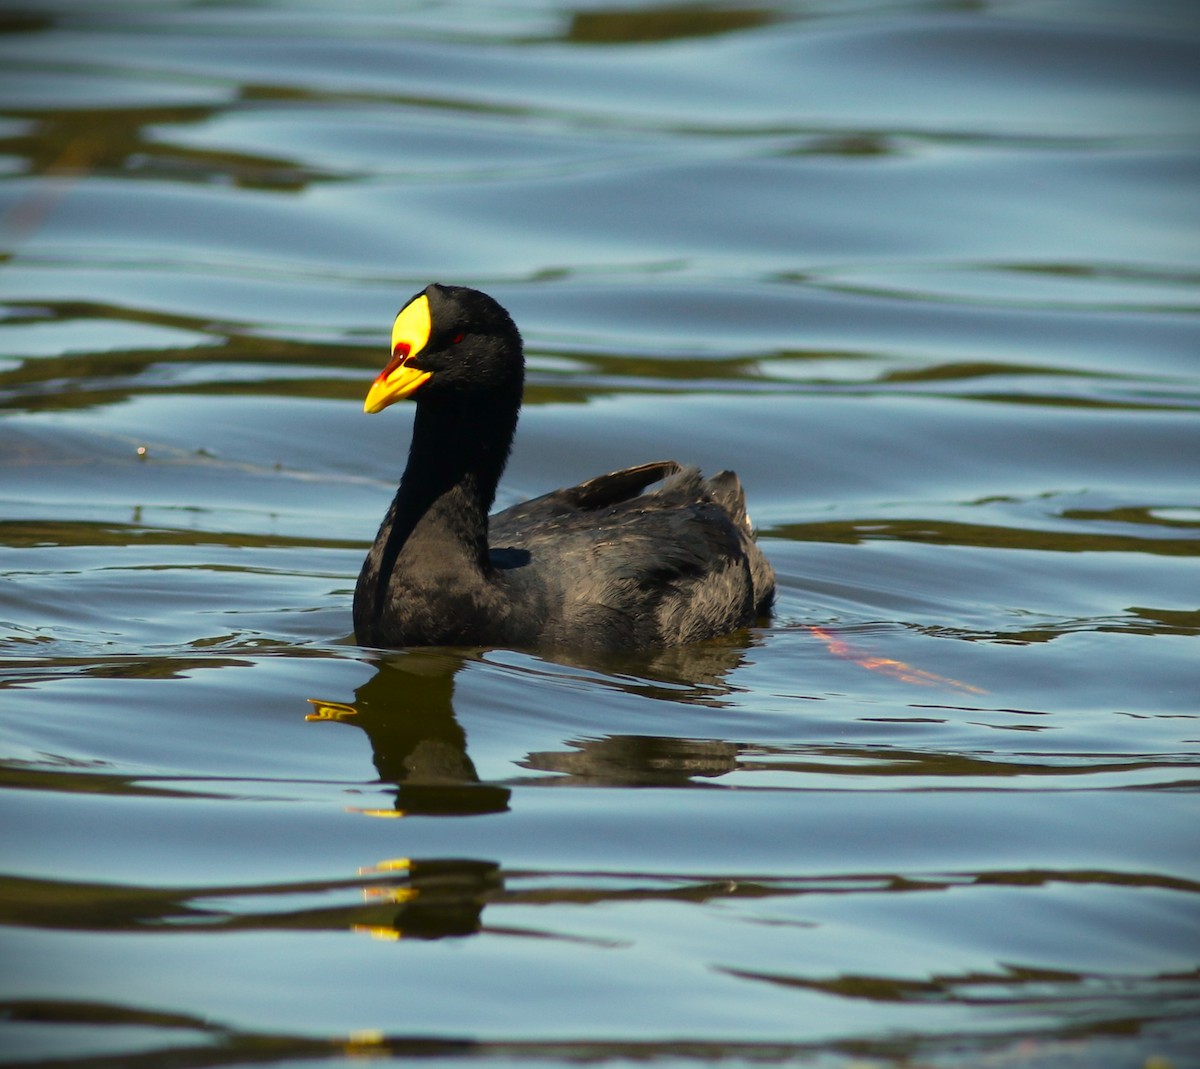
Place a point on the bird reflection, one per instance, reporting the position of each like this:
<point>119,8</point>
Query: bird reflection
<point>638,760</point>
<point>429,899</point>
<point>418,746</point>
<point>407,712</point>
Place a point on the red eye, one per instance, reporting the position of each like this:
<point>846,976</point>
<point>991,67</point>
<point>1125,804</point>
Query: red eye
<point>457,338</point>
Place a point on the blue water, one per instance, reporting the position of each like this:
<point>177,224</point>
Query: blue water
<point>924,274</point>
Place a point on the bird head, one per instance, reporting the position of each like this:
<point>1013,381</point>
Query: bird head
<point>449,340</point>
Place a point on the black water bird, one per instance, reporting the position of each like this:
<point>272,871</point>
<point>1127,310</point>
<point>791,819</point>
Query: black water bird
<point>601,566</point>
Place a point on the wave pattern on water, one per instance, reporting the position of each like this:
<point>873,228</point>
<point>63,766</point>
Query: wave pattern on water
<point>925,274</point>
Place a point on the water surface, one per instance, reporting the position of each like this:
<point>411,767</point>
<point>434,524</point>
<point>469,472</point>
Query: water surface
<point>924,274</point>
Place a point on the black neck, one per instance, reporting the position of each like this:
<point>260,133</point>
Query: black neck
<point>459,449</point>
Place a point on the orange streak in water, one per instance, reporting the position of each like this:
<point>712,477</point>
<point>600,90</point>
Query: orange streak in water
<point>906,673</point>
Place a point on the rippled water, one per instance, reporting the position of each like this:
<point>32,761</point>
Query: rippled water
<point>925,274</point>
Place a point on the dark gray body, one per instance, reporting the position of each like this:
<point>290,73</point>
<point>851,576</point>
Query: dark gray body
<point>599,566</point>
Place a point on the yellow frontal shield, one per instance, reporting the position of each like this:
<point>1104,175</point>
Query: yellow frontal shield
<point>410,334</point>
